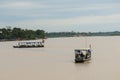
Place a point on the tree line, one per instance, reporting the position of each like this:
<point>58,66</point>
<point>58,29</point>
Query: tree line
<point>20,34</point>
<point>15,33</point>
<point>77,34</point>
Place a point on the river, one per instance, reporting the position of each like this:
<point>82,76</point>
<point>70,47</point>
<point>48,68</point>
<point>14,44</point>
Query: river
<point>56,60</point>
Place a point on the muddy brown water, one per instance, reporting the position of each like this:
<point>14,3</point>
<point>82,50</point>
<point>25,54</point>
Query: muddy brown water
<point>56,60</point>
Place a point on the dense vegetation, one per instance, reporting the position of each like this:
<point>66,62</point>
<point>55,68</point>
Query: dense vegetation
<point>72,34</point>
<point>20,34</point>
<point>60,34</point>
<point>9,33</point>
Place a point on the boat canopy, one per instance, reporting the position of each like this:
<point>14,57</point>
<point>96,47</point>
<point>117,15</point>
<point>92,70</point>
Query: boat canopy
<point>83,49</point>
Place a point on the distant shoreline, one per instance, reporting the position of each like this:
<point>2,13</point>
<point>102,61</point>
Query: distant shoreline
<point>18,34</point>
<point>79,34</point>
<point>58,37</point>
<point>19,40</point>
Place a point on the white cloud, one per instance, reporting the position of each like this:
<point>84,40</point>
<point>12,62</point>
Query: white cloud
<point>33,9</point>
<point>60,7</point>
<point>89,7</point>
<point>57,15</point>
<point>14,5</point>
<point>83,20</point>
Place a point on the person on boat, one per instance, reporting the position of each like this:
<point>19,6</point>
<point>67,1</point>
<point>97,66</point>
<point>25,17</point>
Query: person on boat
<point>81,54</point>
<point>88,53</point>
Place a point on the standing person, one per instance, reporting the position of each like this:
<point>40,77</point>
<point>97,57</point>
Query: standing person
<point>82,56</point>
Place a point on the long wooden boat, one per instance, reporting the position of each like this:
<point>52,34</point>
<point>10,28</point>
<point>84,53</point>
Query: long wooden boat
<point>28,45</point>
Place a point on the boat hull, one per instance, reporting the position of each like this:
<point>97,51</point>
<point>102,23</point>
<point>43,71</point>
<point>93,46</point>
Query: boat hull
<point>28,46</point>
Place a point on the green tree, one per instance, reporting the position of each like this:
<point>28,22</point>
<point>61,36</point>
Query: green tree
<point>40,33</point>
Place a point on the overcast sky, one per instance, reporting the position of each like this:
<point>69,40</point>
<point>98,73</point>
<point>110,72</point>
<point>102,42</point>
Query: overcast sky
<point>61,15</point>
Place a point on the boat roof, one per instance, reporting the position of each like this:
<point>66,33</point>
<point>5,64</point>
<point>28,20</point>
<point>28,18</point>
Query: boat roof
<point>31,42</point>
<point>83,49</point>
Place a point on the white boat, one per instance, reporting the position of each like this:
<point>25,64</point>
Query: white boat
<point>82,55</point>
<point>28,45</point>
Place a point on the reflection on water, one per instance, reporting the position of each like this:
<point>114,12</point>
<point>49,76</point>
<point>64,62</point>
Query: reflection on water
<point>56,60</point>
